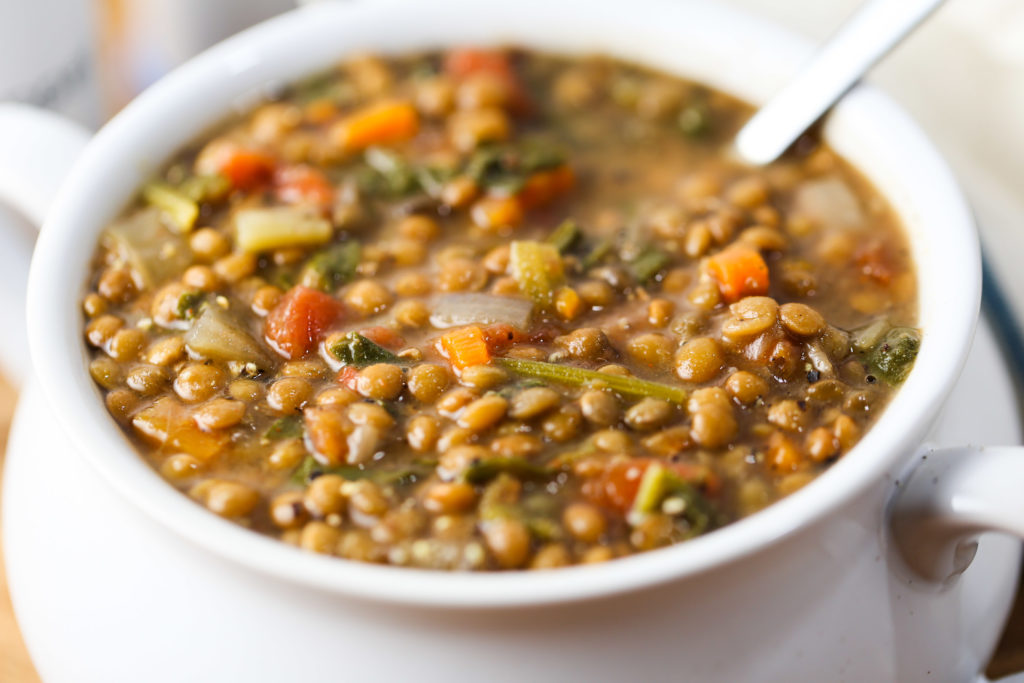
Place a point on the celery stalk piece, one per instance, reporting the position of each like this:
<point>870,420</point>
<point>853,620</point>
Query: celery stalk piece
<point>537,269</point>
<point>568,374</point>
<point>565,235</point>
<point>181,209</point>
<point>264,229</point>
<point>485,469</point>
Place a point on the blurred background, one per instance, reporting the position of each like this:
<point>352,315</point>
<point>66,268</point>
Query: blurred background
<point>961,76</point>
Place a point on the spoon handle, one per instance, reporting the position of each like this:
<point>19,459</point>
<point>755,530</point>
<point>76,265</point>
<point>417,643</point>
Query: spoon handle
<point>877,27</point>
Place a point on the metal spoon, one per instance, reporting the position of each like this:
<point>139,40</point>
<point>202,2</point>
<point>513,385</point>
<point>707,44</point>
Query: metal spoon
<point>876,28</point>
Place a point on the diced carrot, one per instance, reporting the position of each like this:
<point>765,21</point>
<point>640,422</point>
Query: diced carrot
<point>495,213</point>
<point>247,169</point>
<point>301,184</point>
<point>167,423</point>
<point>544,187</point>
<point>294,327</point>
<point>740,271</point>
<point>465,347</point>
<point>382,123</point>
<point>348,376</point>
<point>383,336</point>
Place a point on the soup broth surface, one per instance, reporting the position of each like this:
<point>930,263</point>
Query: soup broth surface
<point>494,310</point>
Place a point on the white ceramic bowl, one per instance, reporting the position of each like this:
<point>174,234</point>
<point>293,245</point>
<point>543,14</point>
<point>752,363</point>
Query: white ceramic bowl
<point>711,606</point>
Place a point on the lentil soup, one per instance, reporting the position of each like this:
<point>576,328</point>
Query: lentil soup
<point>496,310</point>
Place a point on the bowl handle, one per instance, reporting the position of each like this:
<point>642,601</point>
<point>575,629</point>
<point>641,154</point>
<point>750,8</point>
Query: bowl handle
<point>953,496</point>
<point>37,149</point>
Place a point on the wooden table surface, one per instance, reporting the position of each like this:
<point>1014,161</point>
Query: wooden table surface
<point>16,667</point>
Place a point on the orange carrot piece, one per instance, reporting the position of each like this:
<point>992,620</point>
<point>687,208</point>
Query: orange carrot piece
<point>544,187</point>
<point>465,347</point>
<point>740,271</point>
<point>495,213</point>
<point>382,123</point>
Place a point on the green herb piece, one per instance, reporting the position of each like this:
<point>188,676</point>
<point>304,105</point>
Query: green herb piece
<point>894,355</point>
<point>483,470</point>
<point>355,349</point>
<point>177,206</point>
<point>496,169</point>
<point>188,304</point>
<point>539,156</point>
<point>568,374</point>
<point>325,86</point>
<point>565,235</point>
<point>537,269</point>
<point>332,267</point>
<point>597,254</point>
<point>647,263</point>
<point>505,169</point>
<point>387,174</point>
<point>205,188</point>
<point>544,528</point>
<point>287,427</point>
<point>309,469</point>
<point>432,179</point>
<point>659,484</point>
<point>695,120</point>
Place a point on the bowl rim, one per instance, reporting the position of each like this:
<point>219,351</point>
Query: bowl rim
<point>64,248</point>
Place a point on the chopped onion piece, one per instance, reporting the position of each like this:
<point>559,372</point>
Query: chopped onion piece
<point>819,359</point>
<point>829,202</point>
<point>455,310</point>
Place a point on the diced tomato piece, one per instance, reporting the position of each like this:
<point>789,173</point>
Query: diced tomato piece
<point>294,327</point>
<point>348,376</point>
<point>875,263</point>
<point>500,337</point>
<point>383,336</point>
<point>464,62</point>
<point>544,187</point>
<point>247,169</point>
<point>301,184</point>
<point>616,487</point>
<point>701,476</point>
